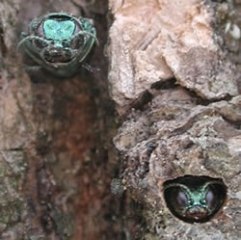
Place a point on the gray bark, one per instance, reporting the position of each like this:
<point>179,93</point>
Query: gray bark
<point>174,76</point>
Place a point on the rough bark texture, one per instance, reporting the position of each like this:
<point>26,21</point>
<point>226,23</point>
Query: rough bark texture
<point>175,75</point>
<point>54,167</point>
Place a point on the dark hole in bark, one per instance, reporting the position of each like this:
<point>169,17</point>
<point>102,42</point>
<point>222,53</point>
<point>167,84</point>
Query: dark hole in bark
<point>3,48</point>
<point>194,198</point>
<point>168,84</point>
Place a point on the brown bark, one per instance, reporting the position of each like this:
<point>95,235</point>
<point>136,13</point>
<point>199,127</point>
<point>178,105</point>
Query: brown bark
<point>55,169</point>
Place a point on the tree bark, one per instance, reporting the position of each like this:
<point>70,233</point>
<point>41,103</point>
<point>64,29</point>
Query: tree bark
<point>174,76</point>
<point>55,170</point>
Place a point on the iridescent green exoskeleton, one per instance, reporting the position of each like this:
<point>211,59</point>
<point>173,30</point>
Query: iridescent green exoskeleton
<point>58,42</point>
<point>194,198</point>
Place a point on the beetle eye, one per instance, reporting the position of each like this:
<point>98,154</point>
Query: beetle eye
<point>181,199</point>
<point>210,198</point>
<point>39,43</point>
<point>78,42</point>
<point>176,198</point>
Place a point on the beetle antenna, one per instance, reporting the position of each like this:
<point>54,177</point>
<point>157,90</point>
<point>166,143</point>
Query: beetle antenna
<point>87,33</point>
<point>31,38</point>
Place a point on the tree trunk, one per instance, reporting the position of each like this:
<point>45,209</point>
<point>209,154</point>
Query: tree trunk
<point>174,76</point>
<point>55,170</point>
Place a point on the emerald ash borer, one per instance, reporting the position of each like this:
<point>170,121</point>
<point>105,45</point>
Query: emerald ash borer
<point>58,43</point>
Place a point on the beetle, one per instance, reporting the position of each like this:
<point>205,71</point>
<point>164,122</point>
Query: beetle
<point>194,198</point>
<point>58,43</point>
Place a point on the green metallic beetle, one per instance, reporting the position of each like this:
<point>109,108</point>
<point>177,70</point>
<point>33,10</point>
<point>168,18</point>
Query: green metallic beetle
<point>58,43</point>
<point>194,198</point>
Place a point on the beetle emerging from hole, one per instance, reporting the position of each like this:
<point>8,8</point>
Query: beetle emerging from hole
<point>58,43</point>
<point>195,198</point>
